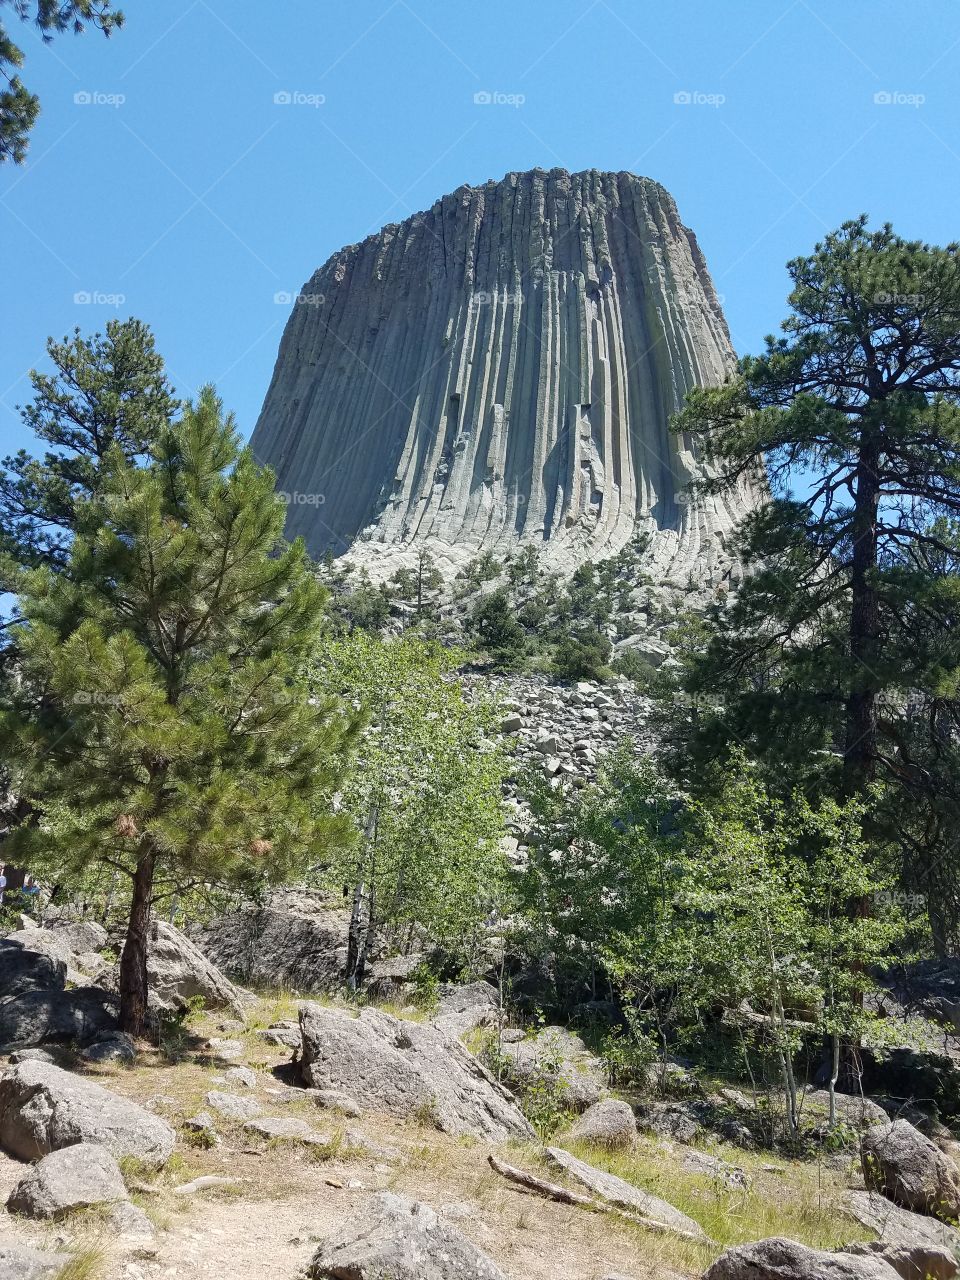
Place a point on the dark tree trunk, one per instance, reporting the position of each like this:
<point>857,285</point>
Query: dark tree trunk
<point>133,961</point>
<point>860,750</point>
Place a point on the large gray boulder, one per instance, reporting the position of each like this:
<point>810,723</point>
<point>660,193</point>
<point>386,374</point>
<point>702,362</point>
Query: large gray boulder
<point>27,968</point>
<point>903,1165</point>
<point>464,1006</point>
<point>911,1262</point>
<point>608,1123</point>
<point>18,1262</point>
<point>295,942</point>
<point>779,1259</point>
<point>394,1238</point>
<point>406,1069</point>
<point>71,1178</point>
<point>43,1109</point>
<point>897,1226</point>
<point>179,971</point>
<point>34,1018</point>
<point>556,1055</point>
<point>624,1195</point>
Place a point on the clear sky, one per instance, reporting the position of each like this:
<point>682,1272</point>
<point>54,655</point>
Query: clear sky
<point>213,153</point>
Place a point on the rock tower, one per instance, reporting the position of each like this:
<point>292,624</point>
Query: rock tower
<point>500,370</point>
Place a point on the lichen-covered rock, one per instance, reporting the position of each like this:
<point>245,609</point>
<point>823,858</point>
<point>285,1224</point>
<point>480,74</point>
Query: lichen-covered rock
<point>27,968</point>
<point>463,1006</point>
<point>179,971</point>
<point>72,1178</point>
<point>903,1165</point>
<point>901,1227</point>
<point>779,1259</point>
<point>405,1069</point>
<point>18,1262</point>
<point>609,1123</point>
<point>547,325</point>
<point>43,1109</point>
<point>394,1238</point>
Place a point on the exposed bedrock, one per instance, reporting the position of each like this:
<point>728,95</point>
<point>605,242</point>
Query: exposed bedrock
<point>500,369</point>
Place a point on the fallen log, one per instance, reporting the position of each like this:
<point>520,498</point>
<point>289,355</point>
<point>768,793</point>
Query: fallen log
<point>553,1191</point>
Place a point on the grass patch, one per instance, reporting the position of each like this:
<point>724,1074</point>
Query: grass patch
<point>85,1265</point>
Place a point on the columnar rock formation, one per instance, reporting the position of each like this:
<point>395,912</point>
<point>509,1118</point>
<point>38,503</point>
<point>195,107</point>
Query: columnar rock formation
<point>500,369</point>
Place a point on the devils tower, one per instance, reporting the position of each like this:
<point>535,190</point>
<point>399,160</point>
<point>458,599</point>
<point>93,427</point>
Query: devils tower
<point>500,370</point>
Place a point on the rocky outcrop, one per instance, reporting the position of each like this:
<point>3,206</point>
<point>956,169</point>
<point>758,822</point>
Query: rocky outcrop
<point>44,1109</point>
<point>43,1017</point>
<point>779,1259</point>
<point>407,1070</point>
<point>178,972</point>
<point>903,1165</point>
<point>609,1123</point>
<point>24,967</point>
<point>394,1238</point>
<point>917,1262</point>
<point>295,942</point>
<point>557,1058</point>
<point>73,1178</point>
<point>19,1262</point>
<point>900,1227</point>
<point>500,369</point>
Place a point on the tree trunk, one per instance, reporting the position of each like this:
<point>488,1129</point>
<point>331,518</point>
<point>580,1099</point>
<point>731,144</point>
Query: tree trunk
<point>860,750</point>
<point>133,961</point>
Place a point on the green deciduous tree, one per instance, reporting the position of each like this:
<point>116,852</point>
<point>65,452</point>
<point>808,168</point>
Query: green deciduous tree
<point>161,722</point>
<point>18,107</point>
<point>425,798</point>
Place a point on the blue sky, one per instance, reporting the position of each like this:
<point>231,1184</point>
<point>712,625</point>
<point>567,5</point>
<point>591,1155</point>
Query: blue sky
<point>211,155</point>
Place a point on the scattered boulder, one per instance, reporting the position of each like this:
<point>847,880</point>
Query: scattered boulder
<point>462,1007</point>
<point>337,1100</point>
<point>35,1018</point>
<point>231,1107</point>
<point>286,1128</point>
<point>26,968</point>
<point>20,1263</point>
<point>43,1109</point>
<point>179,971</point>
<point>919,1262</point>
<point>133,1228</point>
<point>117,1046</point>
<point>71,1178</point>
<point>557,1054</point>
<point>296,942</point>
<point>624,1195</point>
<point>673,1120</point>
<point>903,1165</point>
<point>394,1238</point>
<point>245,1077</point>
<point>897,1226</point>
<point>779,1259</point>
<point>858,1112</point>
<point>81,937</point>
<point>285,1035</point>
<point>406,1069</point>
<point>609,1123</point>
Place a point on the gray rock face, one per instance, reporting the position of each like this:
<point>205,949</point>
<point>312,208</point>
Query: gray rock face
<point>900,1163</point>
<point>779,1259</point>
<point>917,1262</point>
<point>624,1194</point>
<point>231,1107</point>
<point>559,1055</point>
<point>407,1070</point>
<point>25,968</point>
<point>465,1006</point>
<point>20,1263</point>
<point>40,1017</point>
<point>178,971</point>
<point>394,1238</point>
<point>293,942</point>
<point>72,1178</point>
<point>900,1227</point>
<point>43,1109</point>
<point>610,1123</point>
<point>498,370</point>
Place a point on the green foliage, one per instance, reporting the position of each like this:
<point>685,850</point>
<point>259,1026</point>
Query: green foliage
<point>425,799</point>
<point>19,108</point>
<point>493,627</point>
<point>161,723</point>
<point>583,655</point>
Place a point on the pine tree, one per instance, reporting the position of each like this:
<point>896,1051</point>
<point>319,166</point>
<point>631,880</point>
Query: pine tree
<point>162,725</point>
